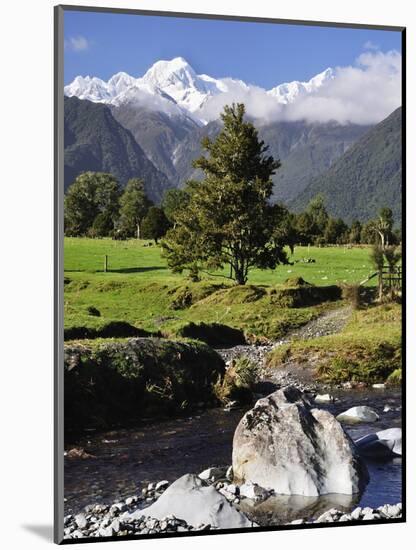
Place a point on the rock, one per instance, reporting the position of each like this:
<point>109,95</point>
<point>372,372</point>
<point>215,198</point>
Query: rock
<point>298,521</point>
<point>190,499</point>
<point>358,414</point>
<point>284,445</point>
<point>78,453</point>
<point>212,474</point>
<point>387,408</point>
<point>229,473</point>
<point>383,444</point>
<point>81,521</point>
<point>355,514</point>
<point>390,510</point>
<point>233,489</point>
<point>324,398</point>
<point>379,386</point>
<point>253,491</point>
<point>162,485</point>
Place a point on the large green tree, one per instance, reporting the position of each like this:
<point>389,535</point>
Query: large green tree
<point>92,194</point>
<point>134,205</point>
<point>229,219</point>
<point>155,224</point>
<point>173,201</point>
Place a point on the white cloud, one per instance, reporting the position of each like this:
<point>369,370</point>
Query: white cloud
<point>371,46</point>
<point>363,93</point>
<point>77,43</point>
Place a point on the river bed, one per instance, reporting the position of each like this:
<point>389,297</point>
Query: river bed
<point>126,459</point>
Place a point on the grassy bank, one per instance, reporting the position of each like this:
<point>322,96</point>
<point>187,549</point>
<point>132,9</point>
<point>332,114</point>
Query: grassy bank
<point>140,293</point>
<point>367,350</point>
<point>119,383</point>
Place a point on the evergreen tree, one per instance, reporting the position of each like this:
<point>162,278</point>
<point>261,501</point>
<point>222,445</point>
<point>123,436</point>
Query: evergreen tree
<point>355,232</point>
<point>173,201</point>
<point>92,194</point>
<point>134,206</point>
<point>335,231</point>
<point>229,219</point>
<point>155,224</point>
<point>319,216</point>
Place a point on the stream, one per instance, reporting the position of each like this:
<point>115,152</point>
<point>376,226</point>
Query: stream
<point>127,459</point>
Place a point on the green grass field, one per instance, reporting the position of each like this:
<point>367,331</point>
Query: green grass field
<point>140,289</point>
<point>333,265</point>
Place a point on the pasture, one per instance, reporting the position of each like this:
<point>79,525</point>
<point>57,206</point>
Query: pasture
<point>139,289</point>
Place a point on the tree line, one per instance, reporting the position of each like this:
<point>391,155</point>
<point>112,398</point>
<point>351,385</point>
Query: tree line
<point>225,219</point>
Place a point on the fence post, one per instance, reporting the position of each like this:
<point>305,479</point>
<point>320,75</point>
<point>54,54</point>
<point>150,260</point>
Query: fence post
<point>105,263</point>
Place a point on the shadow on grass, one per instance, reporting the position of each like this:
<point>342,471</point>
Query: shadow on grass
<point>136,269</point>
<point>120,270</point>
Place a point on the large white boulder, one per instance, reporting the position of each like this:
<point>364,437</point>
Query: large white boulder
<point>358,414</point>
<point>189,498</point>
<point>284,445</point>
<point>383,444</point>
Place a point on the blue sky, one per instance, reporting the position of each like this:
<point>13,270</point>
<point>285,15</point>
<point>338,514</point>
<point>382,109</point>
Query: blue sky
<point>101,44</point>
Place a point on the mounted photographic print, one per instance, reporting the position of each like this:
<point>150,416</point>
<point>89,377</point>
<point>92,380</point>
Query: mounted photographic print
<point>229,202</point>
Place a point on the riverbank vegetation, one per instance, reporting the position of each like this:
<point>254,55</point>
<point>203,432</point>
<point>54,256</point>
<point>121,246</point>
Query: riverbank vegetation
<point>367,350</point>
<point>120,383</point>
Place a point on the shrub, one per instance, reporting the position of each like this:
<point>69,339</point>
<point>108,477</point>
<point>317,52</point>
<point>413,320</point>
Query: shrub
<point>122,382</point>
<point>352,294</point>
<point>395,378</point>
<point>213,334</point>
<point>91,310</point>
<point>111,329</point>
<point>238,382</point>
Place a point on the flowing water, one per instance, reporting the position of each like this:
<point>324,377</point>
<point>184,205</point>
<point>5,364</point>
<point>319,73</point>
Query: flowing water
<point>127,459</point>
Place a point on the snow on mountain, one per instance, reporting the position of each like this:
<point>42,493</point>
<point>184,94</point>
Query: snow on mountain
<point>174,88</point>
<point>291,91</point>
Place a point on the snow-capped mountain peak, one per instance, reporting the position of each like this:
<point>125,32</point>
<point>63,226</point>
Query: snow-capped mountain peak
<point>173,86</point>
<point>289,92</point>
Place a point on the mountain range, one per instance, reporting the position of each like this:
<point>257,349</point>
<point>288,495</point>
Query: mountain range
<point>173,87</point>
<point>365,178</point>
<point>95,141</point>
<point>152,127</point>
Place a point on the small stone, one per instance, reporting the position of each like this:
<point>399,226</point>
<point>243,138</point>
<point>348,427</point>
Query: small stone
<point>213,474</point>
<point>106,532</point>
<point>229,473</point>
<point>368,516</point>
<point>151,487</point>
<point>233,489</point>
<point>298,521</point>
<point>355,514</point>
<point>81,521</point>
<point>162,485</point>
<point>253,491</point>
<point>115,526</point>
<point>324,398</point>
<point>379,386</point>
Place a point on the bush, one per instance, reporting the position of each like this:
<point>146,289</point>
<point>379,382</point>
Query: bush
<point>395,378</point>
<point>352,294</point>
<point>304,295</point>
<point>91,310</point>
<point>213,334</point>
<point>111,329</point>
<point>238,382</point>
<point>120,383</point>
